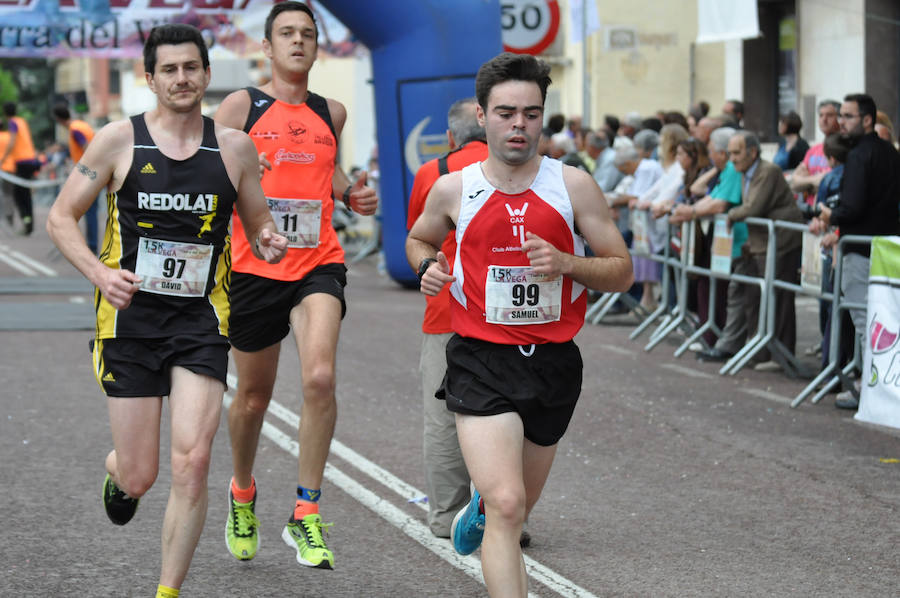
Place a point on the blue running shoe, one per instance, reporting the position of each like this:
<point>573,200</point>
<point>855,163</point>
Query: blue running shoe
<point>467,529</point>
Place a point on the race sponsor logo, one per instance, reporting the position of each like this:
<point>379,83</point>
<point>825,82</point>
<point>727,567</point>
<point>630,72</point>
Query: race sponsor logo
<point>297,131</point>
<point>177,202</point>
<point>265,135</point>
<point>283,155</point>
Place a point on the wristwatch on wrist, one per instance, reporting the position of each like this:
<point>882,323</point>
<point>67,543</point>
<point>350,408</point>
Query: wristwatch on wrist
<point>423,266</point>
<point>346,197</point>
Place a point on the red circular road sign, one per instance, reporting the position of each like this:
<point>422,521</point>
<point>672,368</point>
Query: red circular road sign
<point>529,26</point>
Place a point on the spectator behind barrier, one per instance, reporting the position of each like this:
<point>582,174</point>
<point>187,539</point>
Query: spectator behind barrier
<point>791,147</point>
<point>868,204</point>
<point>809,173</point>
<point>765,194</point>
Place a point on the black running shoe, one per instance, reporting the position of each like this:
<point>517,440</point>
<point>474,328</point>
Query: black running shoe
<point>120,507</point>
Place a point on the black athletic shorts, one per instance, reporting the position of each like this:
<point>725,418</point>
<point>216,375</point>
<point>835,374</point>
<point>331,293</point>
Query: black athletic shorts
<point>487,378</point>
<point>261,307</point>
<point>130,367</point>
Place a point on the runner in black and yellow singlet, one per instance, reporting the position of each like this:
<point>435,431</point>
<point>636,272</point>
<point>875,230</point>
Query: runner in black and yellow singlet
<point>169,225</point>
<point>296,133</point>
<point>172,178</point>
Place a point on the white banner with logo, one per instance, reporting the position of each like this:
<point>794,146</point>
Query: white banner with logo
<point>880,394</point>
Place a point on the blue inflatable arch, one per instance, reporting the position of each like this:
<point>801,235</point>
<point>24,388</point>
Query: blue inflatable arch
<point>425,54</point>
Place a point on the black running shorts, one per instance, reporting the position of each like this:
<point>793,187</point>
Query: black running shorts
<point>487,378</point>
<point>261,307</point>
<point>128,367</point>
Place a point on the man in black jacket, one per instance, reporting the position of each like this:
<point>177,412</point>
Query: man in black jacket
<point>870,194</point>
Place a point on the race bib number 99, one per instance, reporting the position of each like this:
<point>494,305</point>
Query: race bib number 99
<point>298,220</point>
<point>516,295</point>
<point>173,268</point>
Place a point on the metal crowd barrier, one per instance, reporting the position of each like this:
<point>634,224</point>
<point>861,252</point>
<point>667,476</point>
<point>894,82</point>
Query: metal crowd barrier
<point>832,372</point>
<point>675,276</point>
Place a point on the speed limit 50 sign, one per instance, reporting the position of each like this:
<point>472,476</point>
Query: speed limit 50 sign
<point>529,26</point>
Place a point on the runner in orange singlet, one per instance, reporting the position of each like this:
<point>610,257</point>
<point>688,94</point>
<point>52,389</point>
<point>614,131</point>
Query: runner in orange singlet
<point>21,150</point>
<point>296,133</point>
<point>80,134</point>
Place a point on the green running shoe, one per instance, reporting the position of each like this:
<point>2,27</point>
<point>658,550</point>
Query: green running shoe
<point>306,537</point>
<point>120,507</point>
<point>242,528</point>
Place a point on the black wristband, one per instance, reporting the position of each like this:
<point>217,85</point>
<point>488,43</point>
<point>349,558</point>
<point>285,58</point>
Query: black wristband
<point>423,266</point>
<point>346,197</point>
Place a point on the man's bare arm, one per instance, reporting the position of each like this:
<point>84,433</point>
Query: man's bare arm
<point>259,227</point>
<point>431,228</point>
<point>102,164</point>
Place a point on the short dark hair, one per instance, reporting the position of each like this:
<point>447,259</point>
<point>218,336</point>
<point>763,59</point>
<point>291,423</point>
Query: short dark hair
<point>866,105</point>
<point>556,122</point>
<point>511,67</point>
<point>173,34</point>
<point>738,107</point>
<point>9,108</point>
<point>835,147</point>
<point>61,111</point>
<point>792,122</point>
<point>674,116</point>
<point>281,7</point>
<point>652,123</point>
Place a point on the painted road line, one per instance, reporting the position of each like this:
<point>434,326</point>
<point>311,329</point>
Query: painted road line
<point>686,370</point>
<point>619,350</point>
<point>15,263</point>
<point>535,570</point>
<point>765,394</point>
<point>45,270</point>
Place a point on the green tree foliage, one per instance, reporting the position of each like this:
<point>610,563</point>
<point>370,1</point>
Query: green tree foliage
<point>32,81</point>
<point>9,91</point>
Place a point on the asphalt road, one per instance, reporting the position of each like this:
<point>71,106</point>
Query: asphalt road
<point>671,481</point>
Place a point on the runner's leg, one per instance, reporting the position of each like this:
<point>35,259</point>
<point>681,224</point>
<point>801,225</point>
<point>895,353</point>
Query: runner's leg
<point>195,403</point>
<point>134,461</point>
<point>493,448</point>
<point>256,379</point>
<point>316,322</point>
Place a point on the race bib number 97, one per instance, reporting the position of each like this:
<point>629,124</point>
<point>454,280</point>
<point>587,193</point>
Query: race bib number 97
<point>173,268</point>
<point>516,295</point>
<point>298,220</point>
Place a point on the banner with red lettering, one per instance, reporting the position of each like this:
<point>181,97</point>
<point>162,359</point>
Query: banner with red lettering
<point>118,28</point>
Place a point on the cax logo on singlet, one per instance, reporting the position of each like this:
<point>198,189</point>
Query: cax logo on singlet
<point>297,131</point>
<point>517,219</point>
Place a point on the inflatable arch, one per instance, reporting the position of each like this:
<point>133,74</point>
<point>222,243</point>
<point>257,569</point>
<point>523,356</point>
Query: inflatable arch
<point>425,54</point>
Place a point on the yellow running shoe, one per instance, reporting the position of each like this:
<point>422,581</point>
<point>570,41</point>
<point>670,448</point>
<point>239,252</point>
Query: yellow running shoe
<point>242,528</point>
<point>305,536</point>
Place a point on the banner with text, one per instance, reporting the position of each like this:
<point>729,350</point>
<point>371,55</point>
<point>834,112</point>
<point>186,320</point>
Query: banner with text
<point>118,28</point>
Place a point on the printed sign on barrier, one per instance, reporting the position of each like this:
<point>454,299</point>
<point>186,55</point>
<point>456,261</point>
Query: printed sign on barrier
<point>811,266</point>
<point>640,243</point>
<point>879,401</point>
<point>721,248</point>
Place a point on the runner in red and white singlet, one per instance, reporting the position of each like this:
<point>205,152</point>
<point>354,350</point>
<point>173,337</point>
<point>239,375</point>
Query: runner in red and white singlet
<point>513,373</point>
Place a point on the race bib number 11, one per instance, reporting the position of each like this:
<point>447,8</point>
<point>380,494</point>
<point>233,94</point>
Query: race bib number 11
<point>516,295</point>
<point>298,220</point>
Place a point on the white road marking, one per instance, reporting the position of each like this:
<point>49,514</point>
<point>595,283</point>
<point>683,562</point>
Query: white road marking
<point>24,264</point>
<point>620,350</point>
<point>686,370</point>
<point>765,394</point>
<point>15,263</point>
<point>408,525</point>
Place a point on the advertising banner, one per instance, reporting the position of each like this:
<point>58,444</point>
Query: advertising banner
<point>118,28</point>
<point>879,401</point>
